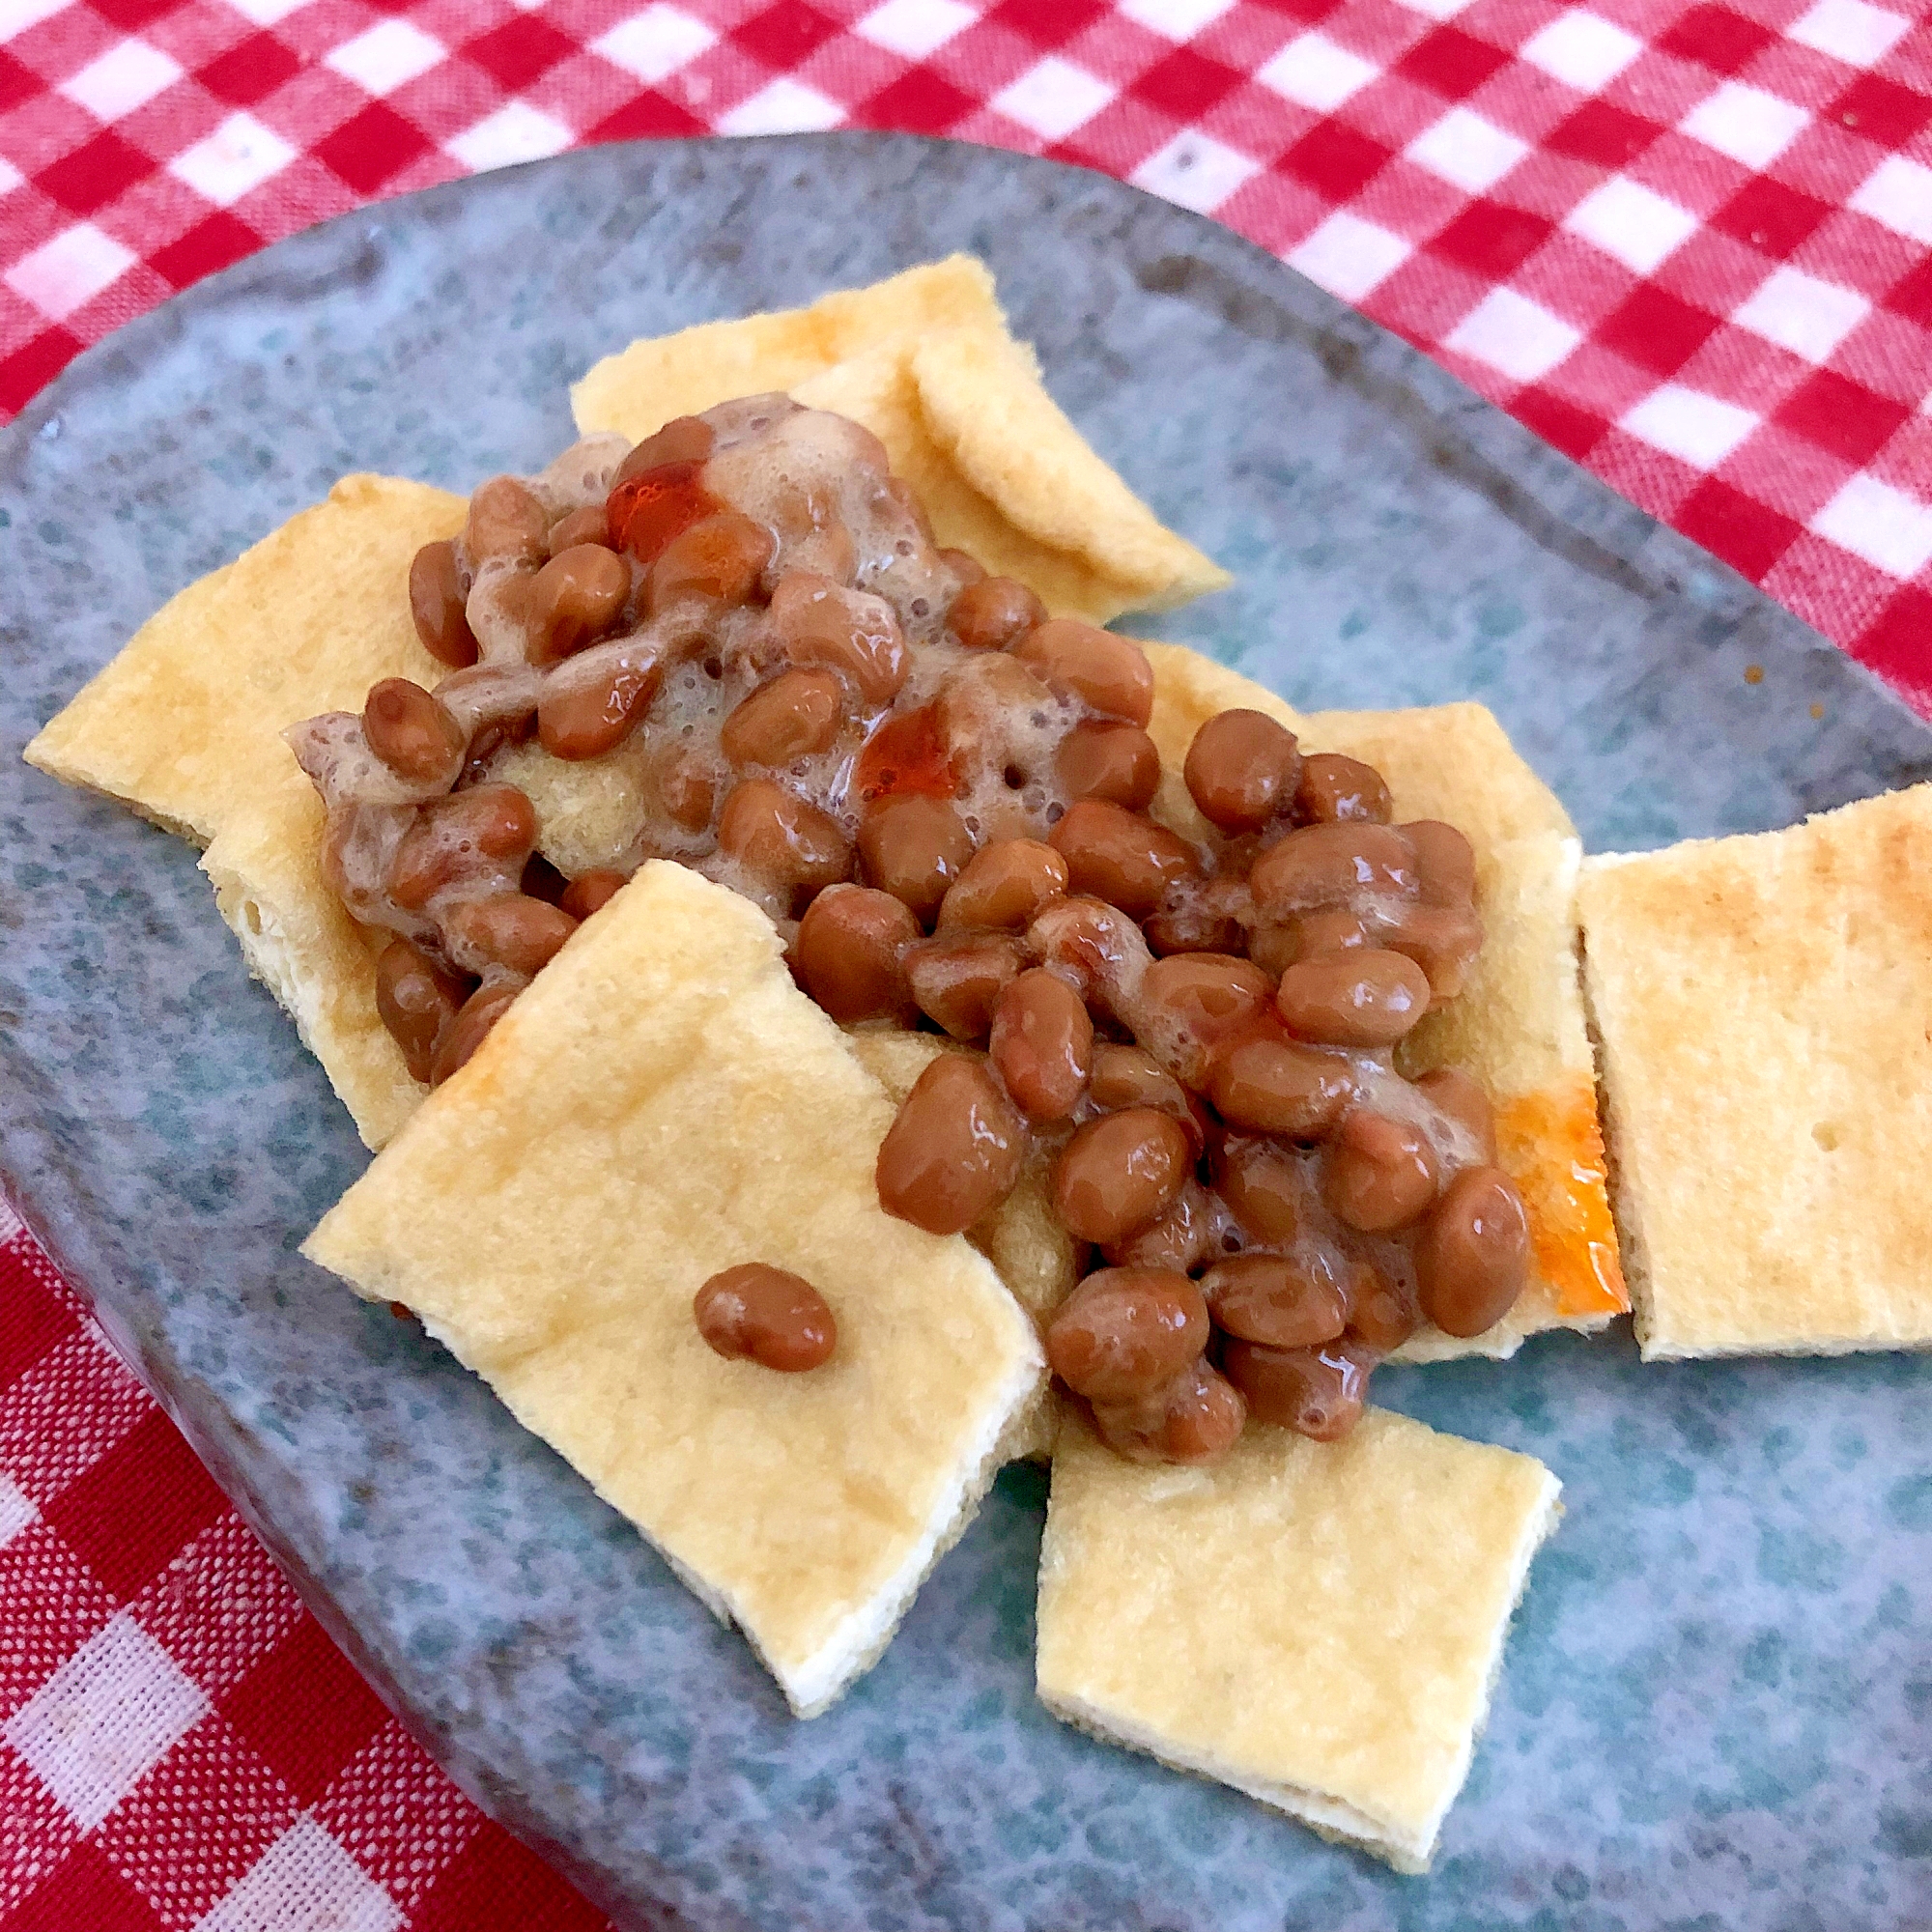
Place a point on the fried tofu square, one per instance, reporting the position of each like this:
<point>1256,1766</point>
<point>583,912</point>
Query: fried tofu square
<point>1317,1624</point>
<point>1520,1025</point>
<point>924,361</point>
<point>662,1103</point>
<point>1765,1007</point>
<point>184,726</point>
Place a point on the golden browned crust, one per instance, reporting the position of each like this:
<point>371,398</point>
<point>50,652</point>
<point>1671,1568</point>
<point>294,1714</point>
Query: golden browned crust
<point>1765,1006</point>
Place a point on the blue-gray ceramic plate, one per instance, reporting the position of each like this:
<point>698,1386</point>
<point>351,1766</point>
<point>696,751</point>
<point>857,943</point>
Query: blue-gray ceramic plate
<point>1716,1705</point>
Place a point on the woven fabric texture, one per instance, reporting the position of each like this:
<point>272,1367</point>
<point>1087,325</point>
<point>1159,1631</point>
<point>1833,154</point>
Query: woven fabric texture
<point>181,1745</point>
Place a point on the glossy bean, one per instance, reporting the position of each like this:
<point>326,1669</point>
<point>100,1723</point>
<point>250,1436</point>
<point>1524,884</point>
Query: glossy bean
<point>1116,855</point>
<point>1104,758</point>
<point>682,440</point>
<point>438,606</point>
<point>1191,1002</point>
<point>1043,1044</point>
<point>587,525</point>
<point>1273,1085</point>
<point>1241,769</point>
<point>598,702</point>
<point>766,1315</point>
<point>782,840</point>
<point>1381,1173</point>
<point>1181,1236</point>
<point>592,891</point>
<point>794,716</point>
<point>507,929</point>
<point>1321,865</point>
<point>1365,998</point>
<point>574,599</point>
<point>957,977</point>
<point>1444,941</point>
<point>1004,884</point>
<point>1335,790</point>
<point>491,826</point>
<point>505,521</point>
<point>412,734</point>
<point>1109,674</point>
<point>1193,1422</point>
<point>687,786</point>
<point>1318,1392</point>
<point>416,998</point>
<point>1382,1314</point>
<point>1183,927</point>
<point>1276,946</point>
<point>993,613</point>
<point>1270,1188</point>
<point>954,1151</point>
<point>718,557</point>
<point>849,955</point>
<point>818,621</point>
<point>1097,947</point>
<point>1463,1101</point>
<point>1118,1172</point>
<point>1472,1258</point>
<point>1288,1301</point>
<point>1446,861</point>
<point>915,848</point>
<point>1129,1076</point>
<point>471,1026</point>
<point>1126,1332</point>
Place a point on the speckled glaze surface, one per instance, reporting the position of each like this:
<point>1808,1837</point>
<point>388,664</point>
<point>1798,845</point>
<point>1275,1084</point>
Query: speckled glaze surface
<point>1717,1704</point>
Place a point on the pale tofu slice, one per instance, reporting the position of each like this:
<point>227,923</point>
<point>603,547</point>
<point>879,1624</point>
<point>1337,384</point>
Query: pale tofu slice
<point>1765,1006</point>
<point>926,362</point>
<point>1520,1026</point>
<point>661,1103</point>
<point>1318,1625</point>
<point>184,726</point>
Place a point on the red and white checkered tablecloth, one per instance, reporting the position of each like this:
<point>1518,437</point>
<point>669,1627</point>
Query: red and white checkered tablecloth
<point>181,1746</point>
<point>1689,244</point>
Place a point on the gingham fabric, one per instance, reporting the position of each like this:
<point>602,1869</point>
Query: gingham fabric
<point>181,1746</point>
<point>1691,245</point>
<point>1686,243</point>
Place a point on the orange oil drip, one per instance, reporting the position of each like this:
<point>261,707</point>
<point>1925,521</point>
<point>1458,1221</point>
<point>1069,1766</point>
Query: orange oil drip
<point>906,754</point>
<point>645,512</point>
<point>1552,1149</point>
